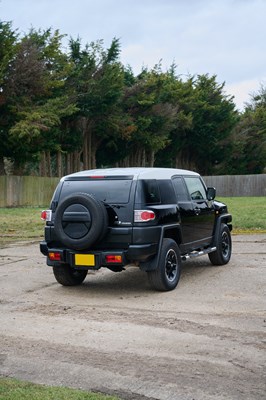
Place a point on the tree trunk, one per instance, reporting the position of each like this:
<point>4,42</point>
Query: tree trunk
<point>90,144</point>
<point>89,149</point>
<point>184,162</point>
<point>76,161</point>
<point>151,158</point>
<point>42,164</point>
<point>72,163</point>
<point>89,160</point>
<point>2,166</point>
<point>48,164</point>
<point>135,158</point>
<point>59,164</point>
<point>68,164</point>
<point>94,145</point>
<point>124,163</point>
<point>85,150</point>
<point>143,158</point>
<point>177,162</point>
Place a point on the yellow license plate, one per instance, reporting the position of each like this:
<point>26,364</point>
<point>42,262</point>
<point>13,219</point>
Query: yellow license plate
<point>87,260</point>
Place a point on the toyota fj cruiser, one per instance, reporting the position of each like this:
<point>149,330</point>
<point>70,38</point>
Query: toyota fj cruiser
<point>151,217</point>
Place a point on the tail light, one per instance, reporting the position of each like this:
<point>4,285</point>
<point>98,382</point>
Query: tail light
<point>46,215</point>
<point>113,259</point>
<point>54,256</point>
<point>143,215</point>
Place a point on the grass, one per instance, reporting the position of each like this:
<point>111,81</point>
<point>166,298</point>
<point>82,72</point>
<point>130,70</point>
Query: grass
<point>20,224</point>
<point>249,213</point>
<point>13,389</point>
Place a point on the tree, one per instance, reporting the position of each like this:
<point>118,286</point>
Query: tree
<point>96,82</point>
<point>248,140</point>
<point>214,117</point>
<point>8,39</point>
<point>207,117</point>
<point>180,94</point>
<point>150,114</point>
<point>84,109</point>
<point>36,102</point>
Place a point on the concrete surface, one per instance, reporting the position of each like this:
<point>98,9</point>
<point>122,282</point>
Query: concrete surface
<point>113,334</point>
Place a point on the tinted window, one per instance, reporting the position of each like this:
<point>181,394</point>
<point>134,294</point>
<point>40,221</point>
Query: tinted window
<point>167,191</point>
<point>148,192</point>
<point>109,191</point>
<point>180,189</point>
<point>195,188</point>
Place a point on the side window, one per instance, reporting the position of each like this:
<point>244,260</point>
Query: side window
<point>151,191</point>
<point>180,189</point>
<point>148,192</point>
<point>195,188</point>
<point>167,192</point>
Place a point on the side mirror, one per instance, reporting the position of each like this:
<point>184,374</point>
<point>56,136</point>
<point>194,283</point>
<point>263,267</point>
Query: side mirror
<point>211,193</point>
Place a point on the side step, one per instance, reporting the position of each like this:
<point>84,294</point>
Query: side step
<point>194,254</point>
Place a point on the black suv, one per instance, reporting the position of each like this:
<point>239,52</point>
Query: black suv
<point>151,217</point>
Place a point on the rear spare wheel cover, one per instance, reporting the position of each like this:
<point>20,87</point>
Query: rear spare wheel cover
<point>80,220</point>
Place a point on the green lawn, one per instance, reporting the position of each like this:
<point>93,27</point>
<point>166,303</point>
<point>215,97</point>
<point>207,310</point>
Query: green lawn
<point>19,224</point>
<point>12,389</point>
<point>249,213</point>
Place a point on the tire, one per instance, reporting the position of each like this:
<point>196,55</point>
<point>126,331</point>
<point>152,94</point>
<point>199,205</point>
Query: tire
<point>67,276</point>
<point>167,274</point>
<point>80,221</point>
<point>224,247</point>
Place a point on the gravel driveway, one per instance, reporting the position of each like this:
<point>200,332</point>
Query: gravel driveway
<point>113,334</point>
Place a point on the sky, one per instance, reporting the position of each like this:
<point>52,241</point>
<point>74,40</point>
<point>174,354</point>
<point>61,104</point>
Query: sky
<point>226,38</point>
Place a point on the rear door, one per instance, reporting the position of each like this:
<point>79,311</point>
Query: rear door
<point>197,213</point>
<point>117,194</point>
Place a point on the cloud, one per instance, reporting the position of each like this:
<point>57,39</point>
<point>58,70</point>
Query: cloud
<point>244,90</point>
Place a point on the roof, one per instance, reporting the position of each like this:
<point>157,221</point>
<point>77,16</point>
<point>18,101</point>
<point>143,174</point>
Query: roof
<point>136,172</point>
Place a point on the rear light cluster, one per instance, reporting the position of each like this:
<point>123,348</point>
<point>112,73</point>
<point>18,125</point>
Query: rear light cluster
<point>143,215</point>
<point>46,215</point>
<point>54,256</point>
<point>113,259</point>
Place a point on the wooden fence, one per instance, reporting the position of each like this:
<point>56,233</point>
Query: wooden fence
<point>23,191</point>
<point>238,185</point>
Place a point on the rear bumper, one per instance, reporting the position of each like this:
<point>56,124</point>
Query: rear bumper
<point>95,259</point>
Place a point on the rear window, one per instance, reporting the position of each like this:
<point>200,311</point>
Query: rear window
<point>109,191</point>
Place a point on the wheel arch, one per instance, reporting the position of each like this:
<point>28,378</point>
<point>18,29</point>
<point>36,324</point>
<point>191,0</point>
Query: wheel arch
<point>173,233</point>
<point>167,232</point>
<point>167,275</point>
<point>221,219</point>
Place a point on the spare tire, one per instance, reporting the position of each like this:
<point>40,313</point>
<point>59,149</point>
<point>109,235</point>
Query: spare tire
<point>80,221</point>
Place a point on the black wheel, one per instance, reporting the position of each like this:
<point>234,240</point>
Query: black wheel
<point>80,221</point>
<point>167,274</point>
<point>224,247</point>
<point>68,276</point>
